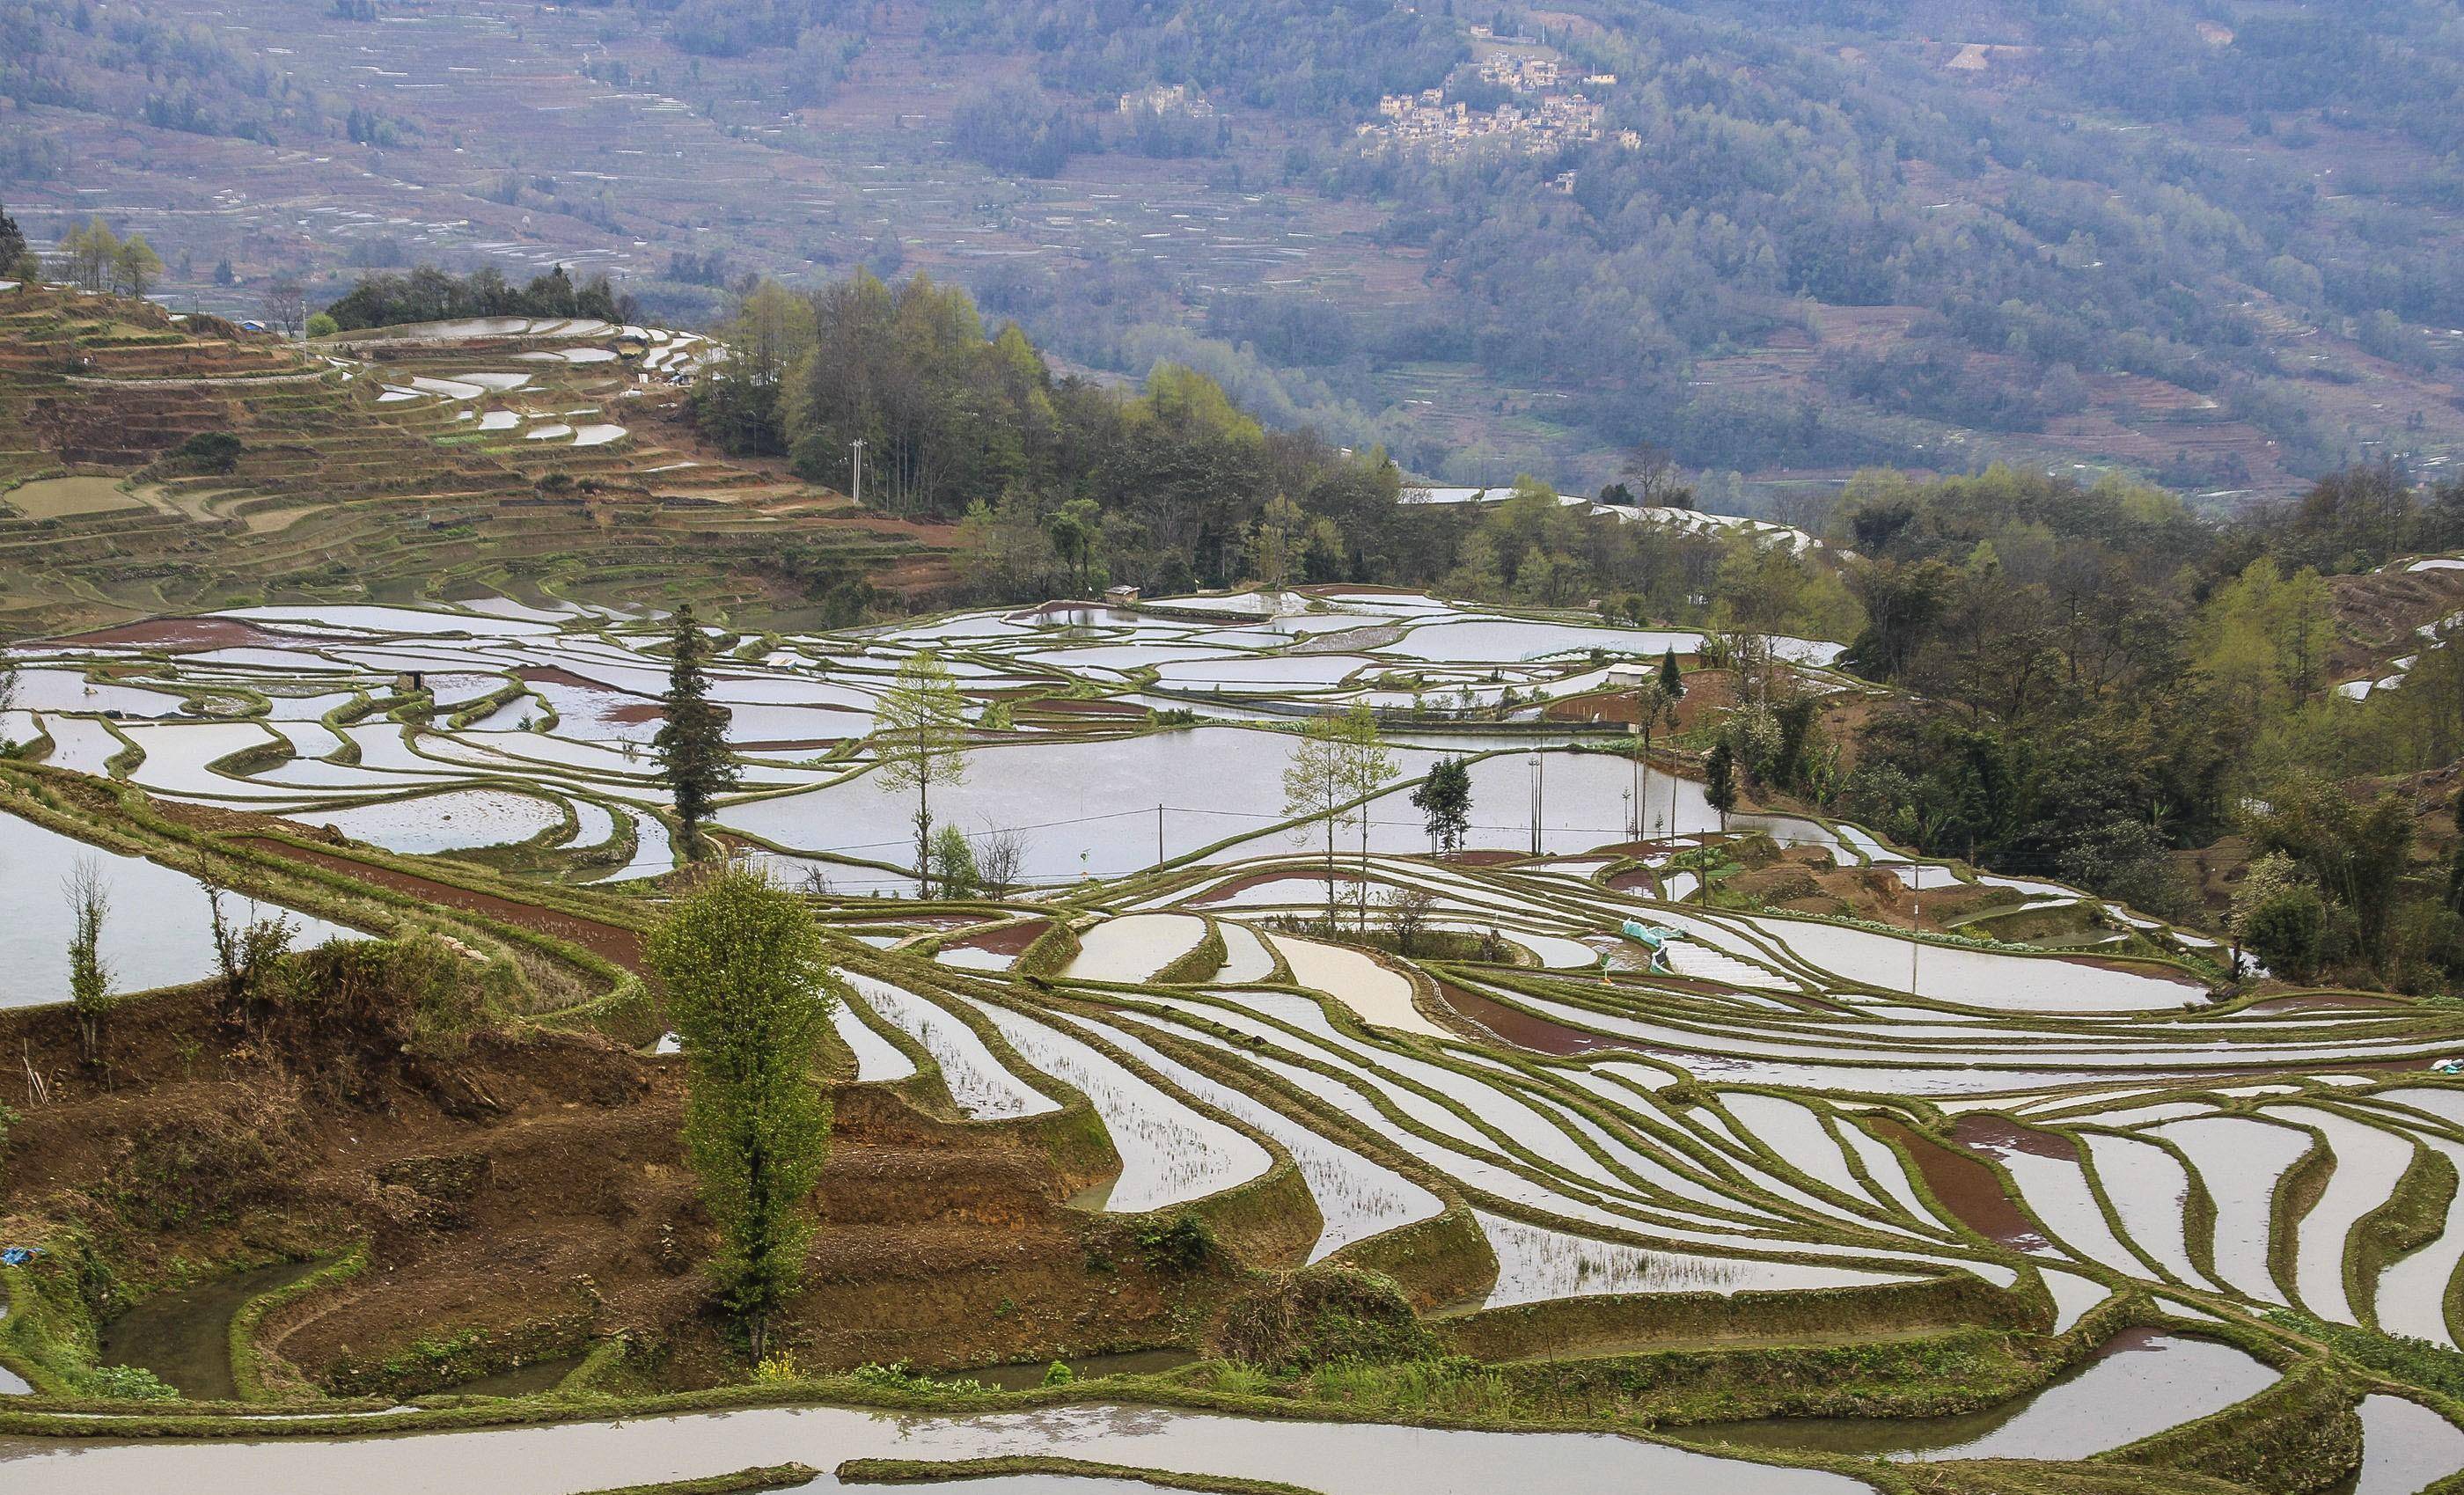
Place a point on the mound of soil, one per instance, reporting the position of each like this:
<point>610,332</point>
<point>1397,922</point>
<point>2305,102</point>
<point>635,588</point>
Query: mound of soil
<point>530,1194</point>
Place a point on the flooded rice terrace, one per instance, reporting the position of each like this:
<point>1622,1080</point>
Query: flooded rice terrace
<point>1334,1458</point>
<point>1626,1104</point>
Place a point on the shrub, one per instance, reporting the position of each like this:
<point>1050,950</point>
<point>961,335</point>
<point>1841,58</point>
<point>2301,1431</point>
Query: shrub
<point>208,452</point>
<point>322,325</point>
<point>778,1366</point>
<point>128,1383</point>
<point>898,1376</point>
<point>1181,1246</point>
<point>2288,932</point>
<point>1325,1315</point>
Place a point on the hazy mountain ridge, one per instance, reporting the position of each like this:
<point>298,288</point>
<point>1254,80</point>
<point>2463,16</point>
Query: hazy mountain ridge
<point>1921,234</point>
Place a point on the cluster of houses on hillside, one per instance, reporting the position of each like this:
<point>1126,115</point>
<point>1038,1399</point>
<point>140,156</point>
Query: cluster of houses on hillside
<point>1548,112</point>
<point>1177,100</point>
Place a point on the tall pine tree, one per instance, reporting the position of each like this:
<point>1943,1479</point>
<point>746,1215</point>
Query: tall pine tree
<point>1444,802</point>
<point>692,743</point>
<point>1720,780</point>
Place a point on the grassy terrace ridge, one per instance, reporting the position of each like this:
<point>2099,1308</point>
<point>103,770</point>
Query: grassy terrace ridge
<point>2128,1472</point>
<point>919,1471</point>
<point>743,1481</point>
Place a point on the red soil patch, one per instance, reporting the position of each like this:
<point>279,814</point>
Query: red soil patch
<point>1010,940</point>
<point>1070,708</point>
<point>608,941</point>
<point>1521,1029</point>
<point>550,674</point>
<point>1966,1188</point>
<point>1992,1134</point>
<point>193,633</point>
<point>1242,885</point>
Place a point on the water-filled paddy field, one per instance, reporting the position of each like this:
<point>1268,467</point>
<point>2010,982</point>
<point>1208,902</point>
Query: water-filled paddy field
<point>1584,1098</point>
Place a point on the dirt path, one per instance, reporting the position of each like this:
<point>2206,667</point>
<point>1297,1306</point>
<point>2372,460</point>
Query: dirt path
<point>609,941</point>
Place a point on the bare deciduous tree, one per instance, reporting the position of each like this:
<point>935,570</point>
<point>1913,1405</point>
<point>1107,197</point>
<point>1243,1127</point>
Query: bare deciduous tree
<point>1407,909</point>
<point>286,305</point>
<point>89,977</point>
<point>1000,855</point>
<point>1654,477</point>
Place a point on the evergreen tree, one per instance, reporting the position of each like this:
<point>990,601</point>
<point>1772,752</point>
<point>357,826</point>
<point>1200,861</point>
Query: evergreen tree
<point>1443,800</point>
<point>750,992</point>
<point>953,863</point>
<point>692,743</point>
<point>1720,780</point>
<point>1672,680</point>
<point>12,246</point>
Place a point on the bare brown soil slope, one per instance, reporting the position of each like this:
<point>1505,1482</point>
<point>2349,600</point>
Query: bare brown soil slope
<point>528,1193</point>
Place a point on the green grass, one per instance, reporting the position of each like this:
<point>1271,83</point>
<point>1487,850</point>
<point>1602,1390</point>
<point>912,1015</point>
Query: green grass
<point>764,1477</point>
<point>921,1471</point>
<point>2399,1357</point>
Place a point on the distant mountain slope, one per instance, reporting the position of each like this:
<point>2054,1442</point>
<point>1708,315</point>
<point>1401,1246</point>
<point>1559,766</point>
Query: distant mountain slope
<point>2206,242</point>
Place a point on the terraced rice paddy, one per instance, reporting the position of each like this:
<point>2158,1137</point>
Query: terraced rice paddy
<point>1338,1459</point>
<point>1776,1111</point>
<point>434,460</point>
<point>164,935</point>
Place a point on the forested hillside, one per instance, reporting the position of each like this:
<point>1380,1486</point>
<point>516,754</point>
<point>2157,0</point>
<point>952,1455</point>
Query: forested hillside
<point>2205,243</point>
<point>2085,681</point>
<point>2031,227</point>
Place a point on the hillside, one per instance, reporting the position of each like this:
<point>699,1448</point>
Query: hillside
<point>1795,240</point>
<point>161,466</point>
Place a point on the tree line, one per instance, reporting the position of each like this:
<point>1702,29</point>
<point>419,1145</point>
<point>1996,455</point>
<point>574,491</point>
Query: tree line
<point>1062,483</point>
<point>430,294</point>
<point>2096,681</point>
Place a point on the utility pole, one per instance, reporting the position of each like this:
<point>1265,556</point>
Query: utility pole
<point>1539,796</point>
<point>1916,916</point>
<point>1642,737</point>
<point>1535,803</point>
<point>858,495</point>
<point>1159,835</point>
